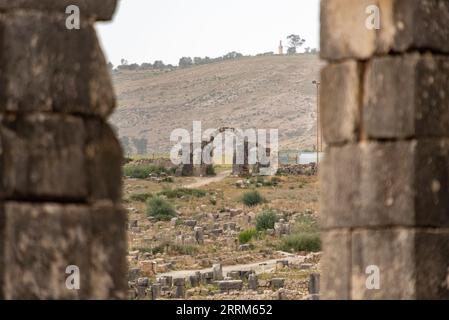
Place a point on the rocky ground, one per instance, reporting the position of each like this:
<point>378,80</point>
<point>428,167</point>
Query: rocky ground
<point>198,255</point>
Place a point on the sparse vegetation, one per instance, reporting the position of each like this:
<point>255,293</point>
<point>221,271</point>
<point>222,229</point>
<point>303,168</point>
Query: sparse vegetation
<point>265,220</point>
<point>301,242</point>
<point>210,171</point>
<point>160,209</point>
<point>252,198</point>
<point>305,236</point>
<point>247,235</point>
<point>182,192</point>
<point>143,171</point>
<point>141,197</point>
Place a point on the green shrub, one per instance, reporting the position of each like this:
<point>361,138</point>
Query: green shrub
<point>210,171</point>
<point>160,209</point>
<point>141,197</point>
<point>309,241</point>
<point>182,192</point>
<point>306,223</point>
<point>246,235</point>
<point>265,220</point>
<point>143,171</point>
<point>252,198</point>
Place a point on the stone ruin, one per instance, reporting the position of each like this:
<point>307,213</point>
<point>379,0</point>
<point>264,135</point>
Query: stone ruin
<point>385,120</point>
<point>385,114</point>
<point>61,163</point>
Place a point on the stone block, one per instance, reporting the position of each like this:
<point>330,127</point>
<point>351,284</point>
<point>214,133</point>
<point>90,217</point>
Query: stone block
<point>336,265</point>
<point>38,243</point>
<point>227,285</point>
<point>108,249</point>
<point>42,157</point>
<point>412,263</point>
<point>404,25</point>
<point>93,9</point>
<point>402,183</point>
<point>104,162</point>
<point>340,176</point>
<point>340,93</point>
<point>46,67</point>
<point>406,96</point>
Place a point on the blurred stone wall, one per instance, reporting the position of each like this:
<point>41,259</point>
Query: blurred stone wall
<point>385,177</point>
<point>60,162</point>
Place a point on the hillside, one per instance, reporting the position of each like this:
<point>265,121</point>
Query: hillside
<point>260,92</point>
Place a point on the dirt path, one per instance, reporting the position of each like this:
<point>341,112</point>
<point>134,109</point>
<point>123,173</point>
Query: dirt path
<point>202,181</point>
<point>258,267</point>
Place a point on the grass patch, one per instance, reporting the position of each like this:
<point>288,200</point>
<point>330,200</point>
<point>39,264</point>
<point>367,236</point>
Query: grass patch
<point>160,209</point>
<point>210,171</point>
<point>140,197</point>
<point>247,235</point>
<point>265,220</point>
<point>182,192</point>
<point>252,198</point>
<point>301,242</point>
<point>143,171</point>
<point>305,236</point>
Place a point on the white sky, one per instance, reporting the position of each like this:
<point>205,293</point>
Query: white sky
<point>148,30</point>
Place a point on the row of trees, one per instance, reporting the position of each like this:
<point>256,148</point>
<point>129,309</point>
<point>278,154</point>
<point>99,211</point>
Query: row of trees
<point>294,43</point>
<point>183,62</point>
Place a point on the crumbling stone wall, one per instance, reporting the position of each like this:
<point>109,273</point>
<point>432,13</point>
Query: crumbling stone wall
<point>60,163</point>
<point>384,181</point>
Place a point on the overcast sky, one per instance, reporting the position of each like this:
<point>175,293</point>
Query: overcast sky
<point>148,30</point>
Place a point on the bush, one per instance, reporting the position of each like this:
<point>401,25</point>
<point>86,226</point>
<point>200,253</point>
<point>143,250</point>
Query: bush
<point>143,171</point>
<point>160,209</point>
<point>246,235</point>
<point>210,171</point>
<point>252,198</point>
<point>141,197</point>
<point>309,241</point>
<point>265,220</point>
<point>305,235</point>
<point>182,192</point>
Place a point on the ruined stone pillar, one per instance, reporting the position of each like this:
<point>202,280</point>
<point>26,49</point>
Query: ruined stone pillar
<point>385,177</point>
<point>60,179</point>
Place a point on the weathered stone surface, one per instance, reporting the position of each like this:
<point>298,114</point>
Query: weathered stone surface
<point>406,97</point>
<point>38,243</point>
<point>404,25</point>
<point>42,157</point>
<point>336,265</point>
<point>339,102</point>
<point>46,67</point>
<point>314,283</point>
<point>277,283</point>
<point>108,249</point>
<point>98,10</point>
<point>412,263</point>
<point>104,162</point>
<point>401,183</point>
<point>226,285</point>
<point>253,282</point>
<point>340,176</point>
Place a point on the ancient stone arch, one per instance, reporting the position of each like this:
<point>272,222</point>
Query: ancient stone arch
<point>385,188</point>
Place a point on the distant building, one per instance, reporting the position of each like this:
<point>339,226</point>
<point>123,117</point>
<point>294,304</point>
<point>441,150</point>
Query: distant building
<point>309,157</point>
<point>281,48</point>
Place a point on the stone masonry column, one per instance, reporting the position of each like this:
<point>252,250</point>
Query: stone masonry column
<point>60,163</point>
<point>385,179</point>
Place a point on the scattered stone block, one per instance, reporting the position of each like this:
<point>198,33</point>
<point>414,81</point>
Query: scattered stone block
<point>227,285</point>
